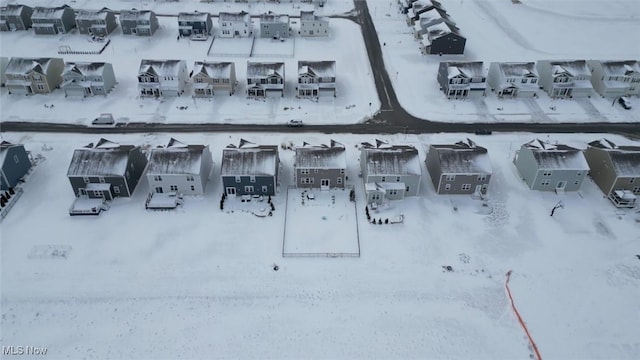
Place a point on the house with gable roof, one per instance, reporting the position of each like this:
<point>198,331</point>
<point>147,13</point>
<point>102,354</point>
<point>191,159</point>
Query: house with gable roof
<point>320,167</point>
<point>389,172</point>
<point>265,79</point>
<point>138,22</point>
<point>551,167</point>
<point>96,22</point>
<point>166,78</point>
<point>422,6</point>
<point>235,24</point>
<point>53,20</point>
<point>316,78</point>
<point>274,26</point>
<point>250,169</point>
<point>513,79</point>
<point>565,78</point>
<point>87,79</point>
<point>616,170</point>
<point>27,76</point>
<point>194,23</point>
<point>4,61</point>
<point>179,168</point>
<point>14,164</point>
<point>15,17</point>
<point>312,24</point>
<point>461,80</point>
<point>211,77</point>
<point>613,79</point>
<point>460,168</point>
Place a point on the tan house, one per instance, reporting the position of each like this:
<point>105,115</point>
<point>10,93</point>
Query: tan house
<point>27,76</point>
<point>211,77</point>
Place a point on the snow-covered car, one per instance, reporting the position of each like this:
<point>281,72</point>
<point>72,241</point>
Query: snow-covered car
<point>295,123</point>
<point>625,102</point>
<point>105,119</point>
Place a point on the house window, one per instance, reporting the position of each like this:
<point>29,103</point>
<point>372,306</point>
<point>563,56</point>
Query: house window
<point>578,174</point>
<point>482,177</point>
<point>116,189</point>
<point>193,188</point>
<point>632,180</point>
<point>451,178</point>
<point>101,179</point>
<point>304,171</point>
<point>406,189</point>
<point>85,179</point>
<point>384,179</point>
<point>265,189</point>
<point>577,182</point>
<point>15,158</point>
<point>252,179</point>
<point>127,174</point>
<point>307,180</point>
<point>39,86</point>
<point>447,187</point>
<point>339,180</point>
<point>545,183</point>
<point>157,178</point>
<point>173,187</point>
<point>189,177</point>
<point>636,190</point>
<point>546,173</point>
<point>237,179</point>
<point>392,192</point>
<point>524,81</point>
<point>466,187</point>
<point>248,189</point>
<point>341,171</point>
<point>397,178</point>
<point>159,189</point>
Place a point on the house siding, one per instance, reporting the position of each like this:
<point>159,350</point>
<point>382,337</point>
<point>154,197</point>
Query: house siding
<point>178,180</point>
<point>410,181</point>
<point>77,183</point>
<point>318,174</point>
<point>527,167</point>
<point>19,22</point>
<point>314,28</point>
<point>13,171</point>
<point>260,181</point>
<point>268,30</point>
<point>448,44</point>
<point>459,180</point>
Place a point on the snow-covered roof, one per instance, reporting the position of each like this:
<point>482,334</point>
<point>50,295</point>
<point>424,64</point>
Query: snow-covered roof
<point>138,15</point>
<point>438,29</point>
<point>570,67</point>
<point>4,149</point>
<point>176,158</point>
<point>41,12</point>
<point>318,68</point>
<point>556,156</point>
<point>392,160</point>
<point>309,16</point>
<point>521,69</point>
<point>242,16</point>
<point>106,158</point>
<point>250,161</point>
<point>467,69</point>
<point>84,68</point>
<point>22,66</point>
<point>264,69</point>
<point>13,9</point>
<point>215,70</point>
<point>194,16</point>
<point>93,14</point>
<point>621,68</point>
<point>462,158</point>
<point>271,17</point>
<point>160,67</point>
<point>625,159</point>
<point>321,157</point>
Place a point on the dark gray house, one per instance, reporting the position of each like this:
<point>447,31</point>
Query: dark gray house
<point>106,170</point>
<point>96,22</point>
<point>53,20</point>
<point>616,170</point>
<point>274,26</point>
<point>250,169</point>
<point>14,164</point>
<point>461,80</point>
<point>460,168</point>
<point>321,167</point>
<point>195,23</point>
<point>551,167</point>
<point>15,17</point>
<point>138,22</point>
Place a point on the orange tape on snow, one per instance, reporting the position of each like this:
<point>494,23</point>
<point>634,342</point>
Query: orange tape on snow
<point>524,326</point>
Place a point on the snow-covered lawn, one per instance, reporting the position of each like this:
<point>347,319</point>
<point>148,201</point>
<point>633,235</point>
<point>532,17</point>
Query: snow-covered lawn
<point>198,282</point>
<point>499,30</point>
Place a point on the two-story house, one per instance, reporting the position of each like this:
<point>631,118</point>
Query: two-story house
<point>138,22</point>
<point>87,78</point>
<point>389,172</point>
<point>195,23</point>
<point>96,22</point>
<point>211,77</point>
<point>250,169</point>
<point>565,78</point>
<point>316,78</point>
<point>27,76</point>
<point>461,80</point>
<point>265,79</point>
<point>421,6</point>
<point>459,169</point>
<point>616,170</point>
<point>615,78</point>
<point>274,26</point>
<point>320,167</point>
<point>179,168</point>
<point>166,78</point>
<point>312,24</point>
<point>14,164</point>
<point>15,17</point>
<point>513,79</point>
<point>235,24</point>
<point>551,167</point>
<point>441,38</point>
<point>53,20</point>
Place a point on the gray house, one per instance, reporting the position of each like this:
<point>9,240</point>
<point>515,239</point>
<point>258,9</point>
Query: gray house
<point>265,79</point>
<point>194,24</point>
<point>167,78</point>
<point>235,24</point>
<point>27,76</point>
<point>461,80</point>
<point>211,77</point>
<point>459,169</point>
<point>138,22</point>
<point>613,79</point>
<point>565,78</point>
<point>250,169</point>
<point>15,17</point>
<point>96,22</point>
<point>551,167</point>
<point>87,79</point>
<point>179,168</point>
<point>14,164</point>
<point>616,170</point>
<point>316,78</point>
<point>514,79</point>
<point>274,26</point>
<point>313,25</point>
<point>53,20</point>
<point>106,170</point>
<point>321,167</point>
<point>389,172</point>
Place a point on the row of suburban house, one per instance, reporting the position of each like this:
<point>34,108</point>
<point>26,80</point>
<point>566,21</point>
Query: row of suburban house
<point>433,27</point>
<point>102,22</point>
<point>558,78</point>
<point>164,78</point>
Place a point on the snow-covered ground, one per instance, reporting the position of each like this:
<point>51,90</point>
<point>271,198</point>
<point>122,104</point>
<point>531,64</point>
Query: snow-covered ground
<point>198,282</point>
<point>499,30</point>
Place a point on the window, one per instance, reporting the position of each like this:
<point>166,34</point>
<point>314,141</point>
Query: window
<point>339,180</point>
<point>545,183</point>
<point>524,81</point>
<point>304,171</point>
<point>397,178</point>
<point>306,180</point>
<point>85,179</point>
<point>341,171</point>
<point>39,86</point>
<point>159,189</point>
<point>466,187</point>
<point>101,179</point>
<point>173,187</point>
<point>632,180</point>
<point>384,179</point>
<point>392,192</point>
<point>157,178</point>
<point>15,158</point>
<point>237,179</point>
<point>546,173</point>
<point>249,189</point>
<point>451,178</point>
<point>127,174</point>
<point>636,190</point>
<point>447,187</point>
<point>265,189</point>
<point>252,179</point>
<point>482,177</point>
<point>193,188</point>
<point>577,182</point>
<point>578,174</point>
<point>189,177</point>
<point>116,189</point>
<point>406,189</point>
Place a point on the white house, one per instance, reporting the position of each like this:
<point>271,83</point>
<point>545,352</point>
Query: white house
<point>235,24</point>
<point>461,80</point>
<point>316,78</point>
<point>211,77</point>
<point>615,78</point>
<point>274,25</point>
<point>313,25</point>
<point>565,78</point>
<point>265,79</point>
<point>165,78</point>
<point>513,79</point>
<point>87,78</point>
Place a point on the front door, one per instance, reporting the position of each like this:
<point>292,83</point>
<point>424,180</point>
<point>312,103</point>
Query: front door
<point>560,185</point>
<point>324,184</point>
<point>231,190</point>
<point>82,192</point>
<point>478,189</point>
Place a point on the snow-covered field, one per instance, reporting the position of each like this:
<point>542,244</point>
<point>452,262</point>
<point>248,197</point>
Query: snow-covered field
<point>199,282</point>
<point>499,30</point>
